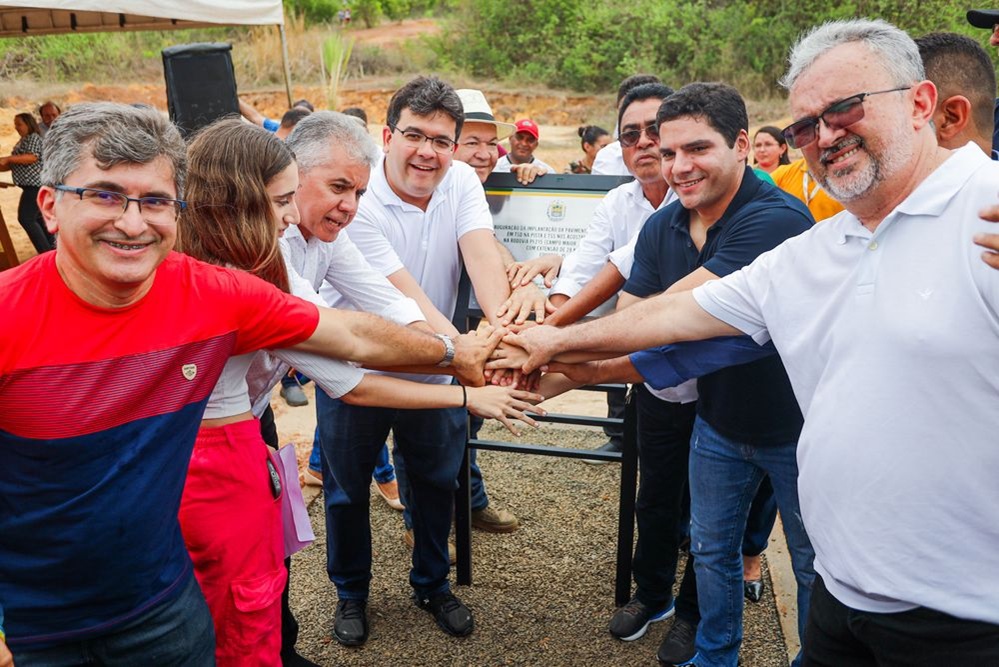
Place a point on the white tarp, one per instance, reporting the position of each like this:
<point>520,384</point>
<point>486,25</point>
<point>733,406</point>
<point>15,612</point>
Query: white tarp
<point>20,18</point>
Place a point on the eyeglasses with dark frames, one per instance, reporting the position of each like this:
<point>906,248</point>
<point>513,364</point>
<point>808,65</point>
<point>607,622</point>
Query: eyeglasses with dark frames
<point>155,210</point>
<point>631,137</point>
<point>836,116</point>
<point>415,138</point>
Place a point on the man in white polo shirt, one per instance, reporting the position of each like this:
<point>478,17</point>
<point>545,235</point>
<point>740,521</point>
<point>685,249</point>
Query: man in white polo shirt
<point>420,218</point>
<point>887,321</point>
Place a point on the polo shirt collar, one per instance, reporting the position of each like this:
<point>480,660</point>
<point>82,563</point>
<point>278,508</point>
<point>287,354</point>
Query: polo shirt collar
<point>379,186</point>
<point>633,190</point>
<point>931,197</point>
<point>748,191</point>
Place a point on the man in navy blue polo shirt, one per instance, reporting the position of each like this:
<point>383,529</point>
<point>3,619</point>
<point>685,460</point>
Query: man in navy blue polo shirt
<point>747,418</point>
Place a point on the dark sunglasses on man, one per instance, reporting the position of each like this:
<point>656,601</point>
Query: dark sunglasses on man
<point>836,116</point>
<point>631,137</point>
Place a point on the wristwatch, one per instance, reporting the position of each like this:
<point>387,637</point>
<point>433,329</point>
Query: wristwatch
<point>448,350</point>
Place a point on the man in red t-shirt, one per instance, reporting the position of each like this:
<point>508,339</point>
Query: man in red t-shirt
<point>111,347</point>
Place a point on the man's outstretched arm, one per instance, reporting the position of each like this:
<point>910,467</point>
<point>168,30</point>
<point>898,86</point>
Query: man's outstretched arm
<point>660,367</point>
<point>664,319</point>
<point>376,342</point>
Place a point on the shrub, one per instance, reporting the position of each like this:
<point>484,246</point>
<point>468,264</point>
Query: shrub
<point>592,45</point>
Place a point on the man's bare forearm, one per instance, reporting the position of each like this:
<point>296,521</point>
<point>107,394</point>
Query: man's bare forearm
<point>667,318</point>
<point>371,340</point>
<point>603,286</point>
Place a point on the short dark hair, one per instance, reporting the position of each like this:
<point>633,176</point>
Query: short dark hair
<point>634,81</point>
<point>589,134</point>
<point>356,112</point>
<point>293,115</point>
<point>719,104</point>
<point>958,65</point>
<point>49,103</point>
<point>646,91</point>
<point>777,136</point>
<point>29,120</point>
<point>425,96</point>
<point>304,103</point>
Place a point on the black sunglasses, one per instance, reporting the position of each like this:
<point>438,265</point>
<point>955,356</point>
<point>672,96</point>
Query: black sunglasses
<point>631,137</point>
<point>836,116</point>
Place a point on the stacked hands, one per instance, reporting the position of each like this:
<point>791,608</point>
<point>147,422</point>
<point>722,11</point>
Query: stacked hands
<point>989,241</point>
<point>525,296</point>
<point>507,402</point>
<point>525,352</point>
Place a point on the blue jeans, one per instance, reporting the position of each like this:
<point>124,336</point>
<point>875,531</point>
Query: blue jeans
<point>724,478</point>
<point>479,498</point>
<point>384,472</point>
<point>176,632</point>
<point>762,515</point>
<point>431,443</point>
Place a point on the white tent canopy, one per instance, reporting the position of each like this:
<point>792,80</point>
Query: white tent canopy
<point>47,17</point>
<point>22,18</point>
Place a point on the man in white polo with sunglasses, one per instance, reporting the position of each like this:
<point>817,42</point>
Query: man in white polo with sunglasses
<point>887,321</point>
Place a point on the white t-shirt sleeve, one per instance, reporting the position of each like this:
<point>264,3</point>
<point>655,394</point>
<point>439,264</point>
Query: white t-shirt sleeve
<point>736,298</point>
<point>590,255</point>
<point>335,377</point>
<point>623,258</point>
<point>471,207</point>
<point>302,288</point>
<point>985,277</point>
<point>609,161</point>
<point>547,167</point>
<point>502,166</point>
<point>364,284</point>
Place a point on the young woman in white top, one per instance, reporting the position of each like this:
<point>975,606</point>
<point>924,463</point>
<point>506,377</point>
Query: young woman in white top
<point>241,196</point>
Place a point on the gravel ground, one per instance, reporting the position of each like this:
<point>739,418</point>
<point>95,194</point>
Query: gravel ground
<point>542,595</point>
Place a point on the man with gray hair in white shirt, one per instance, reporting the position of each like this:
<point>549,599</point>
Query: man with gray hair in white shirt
<point>887,320</point>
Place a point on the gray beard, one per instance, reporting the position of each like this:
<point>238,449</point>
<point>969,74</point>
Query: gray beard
<point>896,151</point>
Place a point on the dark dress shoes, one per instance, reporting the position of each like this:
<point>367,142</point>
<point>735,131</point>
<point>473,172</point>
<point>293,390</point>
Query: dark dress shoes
<point>753,589</point>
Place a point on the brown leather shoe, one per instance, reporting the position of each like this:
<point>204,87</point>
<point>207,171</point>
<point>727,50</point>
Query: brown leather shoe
<point>312,478</point>
<point>493,520</point>
<point>389,491</point>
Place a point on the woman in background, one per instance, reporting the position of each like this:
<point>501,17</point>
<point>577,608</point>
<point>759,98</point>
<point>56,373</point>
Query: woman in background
<point>25,165</point>
<point>769,149</point>
<point>592,139</point>
<point>241,187</point>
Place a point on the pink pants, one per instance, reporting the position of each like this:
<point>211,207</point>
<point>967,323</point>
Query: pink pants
<point>232,528</point>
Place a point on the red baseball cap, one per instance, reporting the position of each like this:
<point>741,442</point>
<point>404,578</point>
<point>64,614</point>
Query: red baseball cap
<point>529,126</point>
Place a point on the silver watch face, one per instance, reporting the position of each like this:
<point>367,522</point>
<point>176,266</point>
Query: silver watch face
<point>448,351</point>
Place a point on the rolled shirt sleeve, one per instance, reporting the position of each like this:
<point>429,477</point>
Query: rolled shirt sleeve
<point>361,279</point>
<point>671,365</point>
<point>589,257</point>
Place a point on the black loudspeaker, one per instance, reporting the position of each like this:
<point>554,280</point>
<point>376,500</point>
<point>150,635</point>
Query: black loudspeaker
<point>200,84</point>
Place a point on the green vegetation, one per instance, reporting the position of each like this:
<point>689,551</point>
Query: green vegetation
<point>591,45</point>
<point>118,57</point>
<point>584,45</point>
<point>367,12</point>
<point>336,56</point>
